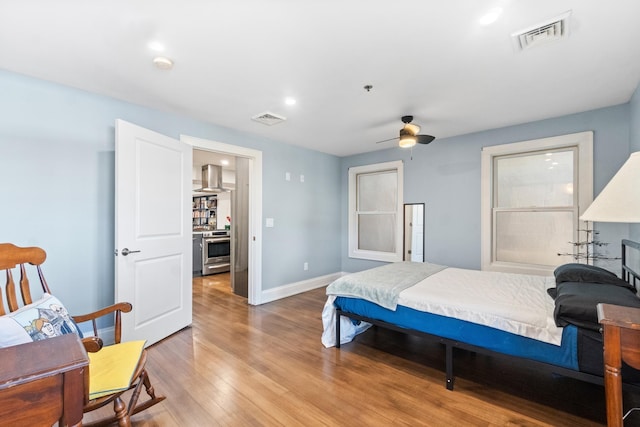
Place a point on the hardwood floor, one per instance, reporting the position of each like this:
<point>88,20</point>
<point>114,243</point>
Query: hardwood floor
<point>240,365</point>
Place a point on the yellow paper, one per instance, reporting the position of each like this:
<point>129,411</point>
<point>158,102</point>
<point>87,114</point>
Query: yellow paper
<point>111,368</point>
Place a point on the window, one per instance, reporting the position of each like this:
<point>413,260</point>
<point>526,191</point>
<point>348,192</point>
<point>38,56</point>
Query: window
<point>375,211</point>
<point>533,193</point>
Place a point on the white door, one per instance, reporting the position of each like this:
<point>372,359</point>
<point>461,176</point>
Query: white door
<point>152,232</point>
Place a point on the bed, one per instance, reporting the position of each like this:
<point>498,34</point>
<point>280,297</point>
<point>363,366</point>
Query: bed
<point>549,321</point>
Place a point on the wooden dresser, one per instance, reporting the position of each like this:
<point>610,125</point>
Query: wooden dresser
<point>621,328</point>
<point>43,382</point>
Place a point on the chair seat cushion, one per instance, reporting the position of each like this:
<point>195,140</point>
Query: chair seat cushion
<point>44,318</point>
<point>111,369</point>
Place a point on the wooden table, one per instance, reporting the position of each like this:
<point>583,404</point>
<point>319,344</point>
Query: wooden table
<point>621,342</point>
<point>43,382</point>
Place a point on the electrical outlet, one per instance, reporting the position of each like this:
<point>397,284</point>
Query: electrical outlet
<point>305,266</point>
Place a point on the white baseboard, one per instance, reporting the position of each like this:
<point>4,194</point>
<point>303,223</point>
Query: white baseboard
<point>298,287</point>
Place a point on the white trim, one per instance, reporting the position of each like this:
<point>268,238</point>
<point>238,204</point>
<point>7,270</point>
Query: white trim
<point>354,252</point>
<point>582,140</point>
<point>256,296</point>
<point>299,287</point>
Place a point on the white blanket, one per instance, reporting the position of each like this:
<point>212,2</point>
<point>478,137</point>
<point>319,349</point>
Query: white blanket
<point>515,303</point>
<point>383,285</point>
<point>348,329</point>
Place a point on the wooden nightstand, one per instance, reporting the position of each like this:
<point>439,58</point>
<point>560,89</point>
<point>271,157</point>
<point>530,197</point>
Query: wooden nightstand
<point>621,342</point>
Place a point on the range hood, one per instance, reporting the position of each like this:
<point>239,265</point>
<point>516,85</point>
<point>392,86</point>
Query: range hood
<point>211,179</point>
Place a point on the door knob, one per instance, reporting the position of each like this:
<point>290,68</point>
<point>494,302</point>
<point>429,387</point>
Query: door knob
<point>126,252</point>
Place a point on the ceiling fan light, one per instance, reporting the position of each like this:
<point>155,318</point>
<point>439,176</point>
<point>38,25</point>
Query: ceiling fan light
<point>407,141</point>
<point>411,128</point>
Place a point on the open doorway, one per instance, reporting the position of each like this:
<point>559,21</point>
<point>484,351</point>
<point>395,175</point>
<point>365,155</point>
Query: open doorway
<point>220,219</point>
<point>249,200</point>
<point>214,185</point>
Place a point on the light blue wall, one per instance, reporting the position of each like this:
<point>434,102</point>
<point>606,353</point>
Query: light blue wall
<point>306,215</point>
<point>57,174</point>
<point>634,144</point>
<point>57,181</point>
<point>445,175</point>
<point>634,113</point>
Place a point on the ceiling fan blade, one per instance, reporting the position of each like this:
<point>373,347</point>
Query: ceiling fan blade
<point>424,139</point>
<point>386,140</point>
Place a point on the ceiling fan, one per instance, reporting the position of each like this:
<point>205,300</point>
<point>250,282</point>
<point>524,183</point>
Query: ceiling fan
<point>409,134</point>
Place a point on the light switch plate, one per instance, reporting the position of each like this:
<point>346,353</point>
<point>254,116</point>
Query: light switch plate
<point>269,222</point>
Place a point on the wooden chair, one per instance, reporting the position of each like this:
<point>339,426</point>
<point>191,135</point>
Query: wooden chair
<point>12,256</point>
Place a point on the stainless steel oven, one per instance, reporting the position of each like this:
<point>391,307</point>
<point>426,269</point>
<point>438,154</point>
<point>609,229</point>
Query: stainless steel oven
<point>216,252</point>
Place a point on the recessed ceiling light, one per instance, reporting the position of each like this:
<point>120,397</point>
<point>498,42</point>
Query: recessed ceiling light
<point>156,46</point>
<point>290,101</point>
<point>490,17</point>
<point>163,63</point>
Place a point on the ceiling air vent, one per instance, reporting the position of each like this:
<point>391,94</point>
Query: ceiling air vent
<point>268,118</point>
<point>546,32</point>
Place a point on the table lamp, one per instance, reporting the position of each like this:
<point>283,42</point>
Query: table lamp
<point>619,201</point>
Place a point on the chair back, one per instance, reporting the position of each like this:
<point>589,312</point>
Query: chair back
<point>10,257</point>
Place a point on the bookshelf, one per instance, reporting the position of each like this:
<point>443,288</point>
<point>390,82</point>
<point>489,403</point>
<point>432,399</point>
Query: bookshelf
<point>204,212</point>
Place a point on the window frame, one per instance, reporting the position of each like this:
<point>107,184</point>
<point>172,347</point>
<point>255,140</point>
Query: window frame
<point>582,142</point>
<point>354,251</point>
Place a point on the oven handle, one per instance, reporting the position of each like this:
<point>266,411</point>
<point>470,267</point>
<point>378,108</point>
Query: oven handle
<point>216,239</point>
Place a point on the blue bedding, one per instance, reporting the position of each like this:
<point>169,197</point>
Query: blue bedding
<point>565,355</point>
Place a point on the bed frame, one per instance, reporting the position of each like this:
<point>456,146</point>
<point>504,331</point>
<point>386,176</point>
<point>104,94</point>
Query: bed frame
<point>628,274</point>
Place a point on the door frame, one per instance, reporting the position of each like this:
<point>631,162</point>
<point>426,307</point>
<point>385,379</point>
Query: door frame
<point>255,206</point>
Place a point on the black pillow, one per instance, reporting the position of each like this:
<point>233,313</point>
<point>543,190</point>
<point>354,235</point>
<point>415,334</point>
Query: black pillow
<point>576,302</point>
<point>588,273</point>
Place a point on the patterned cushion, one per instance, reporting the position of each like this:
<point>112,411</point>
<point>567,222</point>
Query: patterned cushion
<point>42,319</point>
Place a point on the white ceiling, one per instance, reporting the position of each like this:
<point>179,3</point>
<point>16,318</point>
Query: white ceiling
<point>236,59</point>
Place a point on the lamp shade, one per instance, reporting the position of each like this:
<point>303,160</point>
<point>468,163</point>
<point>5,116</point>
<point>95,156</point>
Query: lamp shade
<point>619,201</point>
